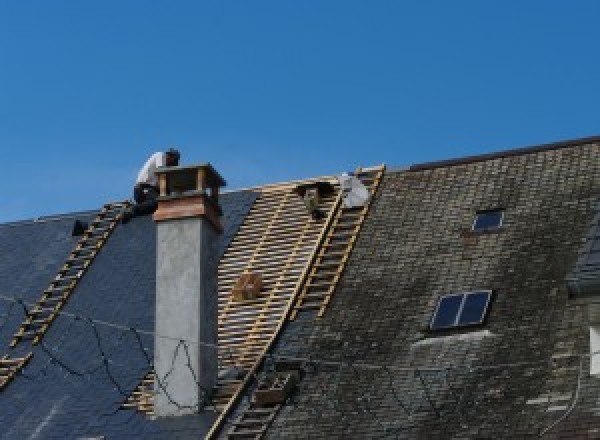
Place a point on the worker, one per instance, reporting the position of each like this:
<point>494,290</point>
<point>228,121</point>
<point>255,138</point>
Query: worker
<point>146,189</point>
<point>311,201</point>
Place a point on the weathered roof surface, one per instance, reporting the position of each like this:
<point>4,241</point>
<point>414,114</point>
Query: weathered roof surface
<point>370,366</point>
<point>372,369</point>
<point>80,397</point>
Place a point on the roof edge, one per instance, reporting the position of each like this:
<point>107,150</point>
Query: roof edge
<point>49,218</point>
<point>505,153</point>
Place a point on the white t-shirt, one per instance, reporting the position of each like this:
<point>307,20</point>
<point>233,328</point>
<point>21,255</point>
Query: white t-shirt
<point>148,172</point>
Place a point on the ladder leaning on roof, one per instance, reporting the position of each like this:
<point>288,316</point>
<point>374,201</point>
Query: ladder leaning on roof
<point>39,317</point>
<point>331,260</point>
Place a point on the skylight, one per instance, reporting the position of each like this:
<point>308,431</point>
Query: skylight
<point>461,310</point>
<point>488,220</point>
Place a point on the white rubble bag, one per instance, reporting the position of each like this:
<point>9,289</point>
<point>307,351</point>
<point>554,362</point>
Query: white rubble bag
<point>355,193</point>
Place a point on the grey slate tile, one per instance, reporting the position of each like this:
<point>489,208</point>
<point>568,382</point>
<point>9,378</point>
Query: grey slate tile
<point>48,400</point>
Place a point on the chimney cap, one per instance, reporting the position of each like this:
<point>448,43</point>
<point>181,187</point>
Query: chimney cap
<point>213,178</point>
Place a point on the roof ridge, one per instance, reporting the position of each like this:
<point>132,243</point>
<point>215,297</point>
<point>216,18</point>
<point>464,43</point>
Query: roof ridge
<point>505,153</point>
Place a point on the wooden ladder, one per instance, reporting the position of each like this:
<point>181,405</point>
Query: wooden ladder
<point>9,367</point>
<point>253,422</point>
<point>40,317</point>
<point>142,398</point>
<point>331,260</point>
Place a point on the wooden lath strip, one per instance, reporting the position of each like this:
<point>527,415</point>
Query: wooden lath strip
<point>257,362</point>
<point>58,292</point>
<point>261,240</point>
<point>269,260</point>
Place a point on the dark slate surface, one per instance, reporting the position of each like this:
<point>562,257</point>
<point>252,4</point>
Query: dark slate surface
<point>31,252</point>
<point>77,380</point>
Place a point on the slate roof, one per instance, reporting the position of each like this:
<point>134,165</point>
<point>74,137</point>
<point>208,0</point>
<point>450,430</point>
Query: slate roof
<point>78,399</point>
<point>371,368</point>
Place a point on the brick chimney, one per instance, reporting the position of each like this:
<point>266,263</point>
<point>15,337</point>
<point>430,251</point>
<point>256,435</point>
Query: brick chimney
<point>188,225</point>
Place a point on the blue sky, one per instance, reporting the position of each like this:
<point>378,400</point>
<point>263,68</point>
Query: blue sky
<point>278,90</point>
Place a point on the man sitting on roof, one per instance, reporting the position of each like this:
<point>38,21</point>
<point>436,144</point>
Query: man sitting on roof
<point>146,189</point>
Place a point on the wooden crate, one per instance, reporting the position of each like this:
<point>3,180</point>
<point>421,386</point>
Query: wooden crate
<point>275,389</point>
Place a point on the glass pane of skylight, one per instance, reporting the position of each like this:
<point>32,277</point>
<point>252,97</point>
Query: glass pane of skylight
<point>446,312</point>
<point>488,220</point>
<point>474,308</point>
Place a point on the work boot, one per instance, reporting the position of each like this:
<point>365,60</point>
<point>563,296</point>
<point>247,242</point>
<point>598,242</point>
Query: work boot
<point>126,215</point>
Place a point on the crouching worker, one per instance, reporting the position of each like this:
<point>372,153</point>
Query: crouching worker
<point>146,189</point>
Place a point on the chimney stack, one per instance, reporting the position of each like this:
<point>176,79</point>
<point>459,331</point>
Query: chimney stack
<point>188,225</point>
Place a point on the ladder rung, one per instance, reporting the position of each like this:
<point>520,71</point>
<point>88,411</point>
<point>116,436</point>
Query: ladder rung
<point>318,285</point>
<point>308,306</point>
<point>262,410</point>
<point>39,310</point>
<point>314,296</point>
<point>250,422</point>
<point>328,264</point>
<point>28,334</point>
<point>341,234</point>
<point>245,432</point>
<point>326,254</point>
<point>11,361</point>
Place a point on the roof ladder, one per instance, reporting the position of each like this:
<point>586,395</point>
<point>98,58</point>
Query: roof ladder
<point>253,422</point>
<point>9,367</point>
<point>142,398</point>
<point>40,316</point>
<point>331,260</point>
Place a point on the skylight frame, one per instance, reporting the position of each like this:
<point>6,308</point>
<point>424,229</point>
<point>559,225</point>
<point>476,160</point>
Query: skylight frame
<point>488,211</point>
<point>456,324</point>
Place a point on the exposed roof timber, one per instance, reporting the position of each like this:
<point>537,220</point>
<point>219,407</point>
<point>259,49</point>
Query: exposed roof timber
<point>293,183</point>
<point>505,153</point>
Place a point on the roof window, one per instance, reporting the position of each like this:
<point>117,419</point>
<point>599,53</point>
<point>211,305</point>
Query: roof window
<point>488,220</point>
<point>461,310</point>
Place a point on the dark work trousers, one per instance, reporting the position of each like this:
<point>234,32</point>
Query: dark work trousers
<point>145,200</point>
